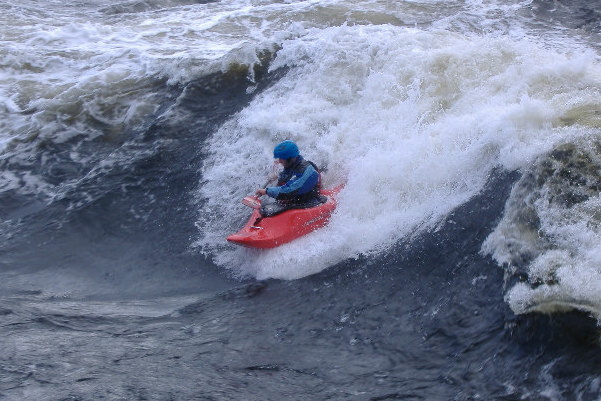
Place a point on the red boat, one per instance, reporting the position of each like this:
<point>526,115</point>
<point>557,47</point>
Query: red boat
<point>269,232</point>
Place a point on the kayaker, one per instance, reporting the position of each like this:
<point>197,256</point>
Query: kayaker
<point>298,184</point>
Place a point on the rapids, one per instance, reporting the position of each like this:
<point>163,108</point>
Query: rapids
<point>462,263</point>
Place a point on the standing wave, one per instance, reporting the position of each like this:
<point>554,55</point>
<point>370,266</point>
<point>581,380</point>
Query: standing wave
<point>413,121</point>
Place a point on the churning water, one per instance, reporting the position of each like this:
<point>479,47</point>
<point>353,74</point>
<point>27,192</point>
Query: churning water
<point>463,261</point>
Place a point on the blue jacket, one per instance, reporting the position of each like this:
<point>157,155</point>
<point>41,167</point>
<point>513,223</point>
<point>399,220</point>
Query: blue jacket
<point>297,183</point>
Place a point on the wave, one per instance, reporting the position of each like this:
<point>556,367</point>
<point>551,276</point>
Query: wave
<point>130,130</point>
<point>414,105</point>
<point>135,7</point>
<point>549,236</point>
<point>414,121</point>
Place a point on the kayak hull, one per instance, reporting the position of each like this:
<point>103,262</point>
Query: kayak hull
<point>270,232</point>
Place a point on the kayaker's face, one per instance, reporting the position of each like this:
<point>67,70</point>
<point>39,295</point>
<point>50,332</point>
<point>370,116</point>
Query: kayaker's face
<point>286,162</point>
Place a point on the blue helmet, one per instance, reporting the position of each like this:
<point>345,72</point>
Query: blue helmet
<point>286,150</point>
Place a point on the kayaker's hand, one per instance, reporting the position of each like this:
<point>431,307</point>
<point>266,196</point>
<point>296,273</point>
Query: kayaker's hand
<point>260,192</point>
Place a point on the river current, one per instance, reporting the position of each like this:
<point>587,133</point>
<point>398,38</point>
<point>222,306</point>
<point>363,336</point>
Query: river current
<point>463,261</point>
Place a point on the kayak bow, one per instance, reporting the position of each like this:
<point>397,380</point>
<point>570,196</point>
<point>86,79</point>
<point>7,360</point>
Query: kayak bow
<point>270,232</point>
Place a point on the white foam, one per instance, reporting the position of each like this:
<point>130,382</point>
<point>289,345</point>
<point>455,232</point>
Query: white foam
<point>65,69</point>
<point>54,58</point>
<point>565,271</point>
<point>414,121</point>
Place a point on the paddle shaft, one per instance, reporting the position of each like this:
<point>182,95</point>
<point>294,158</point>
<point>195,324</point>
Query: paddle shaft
<point>253,200</point>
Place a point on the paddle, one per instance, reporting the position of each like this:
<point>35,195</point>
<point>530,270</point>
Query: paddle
<point>253,201</point>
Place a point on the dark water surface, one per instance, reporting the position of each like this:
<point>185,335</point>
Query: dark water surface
<point>425,321</point>
<point>115,283</point>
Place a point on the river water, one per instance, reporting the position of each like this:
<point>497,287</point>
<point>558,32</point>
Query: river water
<point>463,261</point>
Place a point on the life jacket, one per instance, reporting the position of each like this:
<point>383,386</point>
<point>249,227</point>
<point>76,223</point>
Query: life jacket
<point>298,169</point>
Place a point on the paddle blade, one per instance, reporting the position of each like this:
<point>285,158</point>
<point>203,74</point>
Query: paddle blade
<point>251,201</point>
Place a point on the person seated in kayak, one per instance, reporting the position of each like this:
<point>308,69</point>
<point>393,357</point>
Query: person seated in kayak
<point>298,184</point>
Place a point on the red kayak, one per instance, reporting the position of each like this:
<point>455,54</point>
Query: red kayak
<point>269,232</point>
